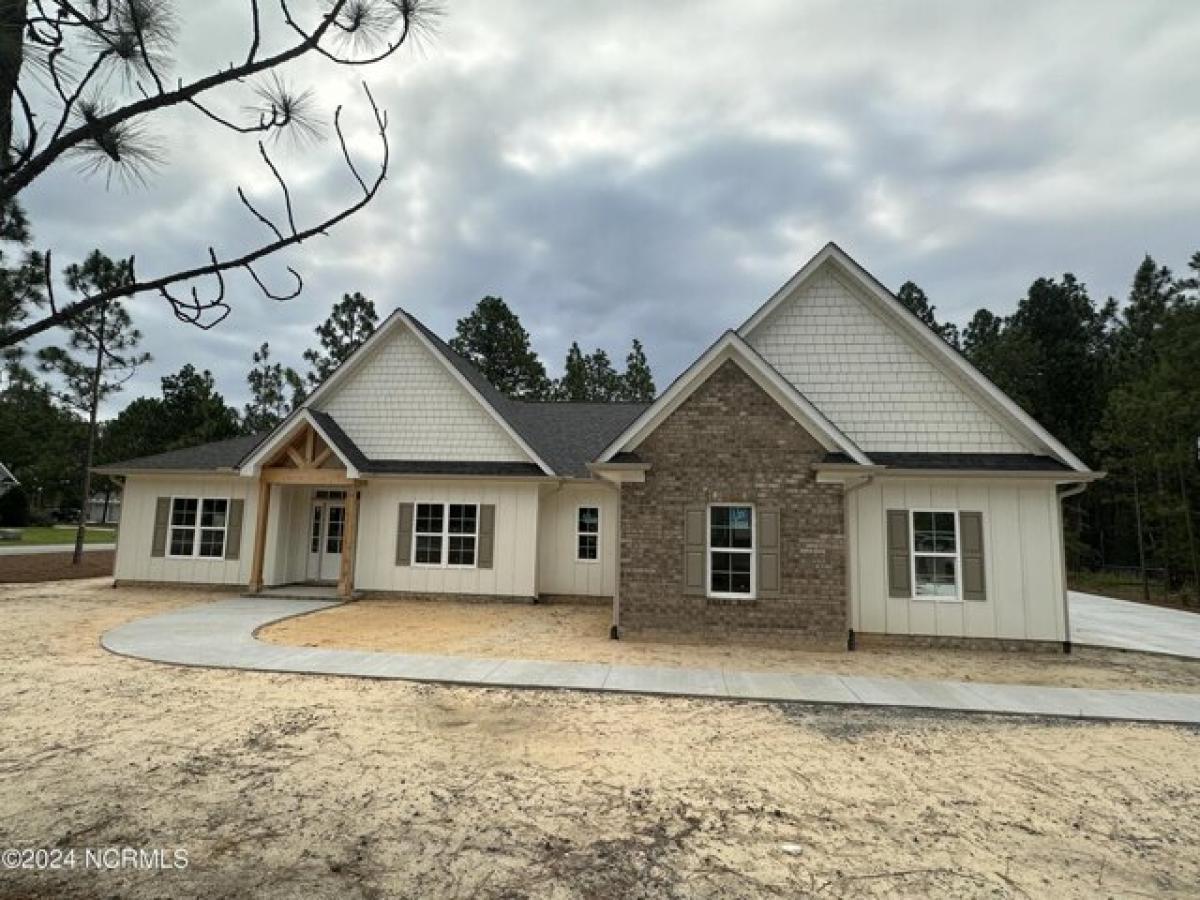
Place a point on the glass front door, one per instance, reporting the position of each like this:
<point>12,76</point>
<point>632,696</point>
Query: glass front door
<point>327,525</point>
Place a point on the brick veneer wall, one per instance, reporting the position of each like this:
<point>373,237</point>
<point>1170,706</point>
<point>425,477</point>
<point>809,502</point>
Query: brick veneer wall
<point>730,442</point>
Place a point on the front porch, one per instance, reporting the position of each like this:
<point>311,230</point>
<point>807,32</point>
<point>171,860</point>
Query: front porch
<point>306,526</point>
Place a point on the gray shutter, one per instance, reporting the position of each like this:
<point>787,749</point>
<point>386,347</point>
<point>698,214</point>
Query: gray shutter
<point>899,571</point>
<point>233,531</point>
<point>487,535</point>
<point>162,516</point>
<point>768,553</point>
<point>404,532</point>
<point>694,548</point>
<point>970,528</point>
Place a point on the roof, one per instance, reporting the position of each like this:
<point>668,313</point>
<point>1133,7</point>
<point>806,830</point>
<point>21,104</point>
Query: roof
<point>995,462</point>
<point>202,457</point>
<point>571,435</point>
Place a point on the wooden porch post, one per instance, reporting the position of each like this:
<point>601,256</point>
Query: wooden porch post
<point>260,536</point>
<point>349,545</point>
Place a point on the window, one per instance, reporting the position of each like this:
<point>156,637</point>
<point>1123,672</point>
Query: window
<point>587,534</point>
<point>337,527</point>
<point>198,527</point>
<point>445,534</point>
<point>935,554</point>
<point>731,551</point>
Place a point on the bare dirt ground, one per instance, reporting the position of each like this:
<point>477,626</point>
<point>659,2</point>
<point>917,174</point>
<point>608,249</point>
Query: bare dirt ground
<point>580,633</point>
<point>30,567</point>
<point>285,786</point>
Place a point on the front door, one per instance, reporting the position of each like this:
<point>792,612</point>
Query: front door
<point>327,524</point>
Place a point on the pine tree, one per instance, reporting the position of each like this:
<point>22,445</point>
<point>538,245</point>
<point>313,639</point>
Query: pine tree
<point>351,322</point>
<point>275,390</point>
<point>637,382</point>
<point>918,303</point>
<point>100,357</point>
<point>575,385</point>
<point>493,338</point>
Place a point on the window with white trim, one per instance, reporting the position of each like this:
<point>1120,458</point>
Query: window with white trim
<point>446,534</point>
<point>731,550</point>
<point>198,527</point>
<point>935,554</point>
<point>587,534</point>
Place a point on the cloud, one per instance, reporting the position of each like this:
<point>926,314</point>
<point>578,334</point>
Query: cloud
<point>627,170</point>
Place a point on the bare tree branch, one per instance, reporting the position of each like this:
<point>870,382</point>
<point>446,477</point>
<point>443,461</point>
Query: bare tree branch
<point>195,311</point>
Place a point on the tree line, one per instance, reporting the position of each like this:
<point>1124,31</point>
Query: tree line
<point>1119,384</point>
<point>50,433</point>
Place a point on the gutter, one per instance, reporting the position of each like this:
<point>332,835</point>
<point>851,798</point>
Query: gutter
<point>1065,492</point>
<point>849,488</point>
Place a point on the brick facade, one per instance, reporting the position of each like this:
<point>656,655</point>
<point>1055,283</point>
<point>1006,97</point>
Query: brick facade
<point>731,442</point>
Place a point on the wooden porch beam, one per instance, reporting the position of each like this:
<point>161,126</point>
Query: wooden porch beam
<point>349,545</point>
<point>260,536</point>
<point>314,477</point>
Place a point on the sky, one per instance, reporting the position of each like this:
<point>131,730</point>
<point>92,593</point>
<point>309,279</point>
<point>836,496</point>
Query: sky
<point>656,170</point>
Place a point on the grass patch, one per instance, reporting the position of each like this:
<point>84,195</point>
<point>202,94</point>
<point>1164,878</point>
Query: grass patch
<point>62,535</point>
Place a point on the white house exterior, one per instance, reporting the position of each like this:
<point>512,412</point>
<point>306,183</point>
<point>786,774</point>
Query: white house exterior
<point>830,468</point>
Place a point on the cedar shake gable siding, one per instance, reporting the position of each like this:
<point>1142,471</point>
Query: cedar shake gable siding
<point>729,443</point>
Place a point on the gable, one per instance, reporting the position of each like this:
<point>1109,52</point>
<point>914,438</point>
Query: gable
<point>402,402</point>
<point>870,378</point>
<point>730,349</point>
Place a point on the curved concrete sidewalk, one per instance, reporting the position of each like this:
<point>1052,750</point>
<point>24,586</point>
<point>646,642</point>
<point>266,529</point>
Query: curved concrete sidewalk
<point>221,634</point>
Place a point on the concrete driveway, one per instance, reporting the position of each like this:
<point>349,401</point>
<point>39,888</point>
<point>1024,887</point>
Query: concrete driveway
<point>1105,622</point>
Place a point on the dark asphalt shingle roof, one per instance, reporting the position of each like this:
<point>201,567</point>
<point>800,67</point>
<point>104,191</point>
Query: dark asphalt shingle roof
<point>216,455</point>
<point>995,462</point>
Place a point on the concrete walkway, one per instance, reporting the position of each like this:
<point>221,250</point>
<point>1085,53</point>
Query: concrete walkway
<point>1105,622</point>
<point>221,634</point>
<point>28,549</point>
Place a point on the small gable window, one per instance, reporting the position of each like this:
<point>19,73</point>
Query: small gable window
<point>446,534</point>
<point>587,534</point>
<point>731,550</point>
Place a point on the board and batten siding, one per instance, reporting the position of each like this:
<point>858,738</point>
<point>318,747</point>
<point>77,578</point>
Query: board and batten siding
<point>514,558</point>
<point>1023,565</point>
<point>134,561</point>
<point>870,381</point>
<point>403,403</point>
<point>289,524</point>
<point>559,570</point>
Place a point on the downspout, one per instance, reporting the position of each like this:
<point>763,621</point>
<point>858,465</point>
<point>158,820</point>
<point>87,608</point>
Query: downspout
<point>1072,491</point>
<point>614,633</point>
<point>847,490</point>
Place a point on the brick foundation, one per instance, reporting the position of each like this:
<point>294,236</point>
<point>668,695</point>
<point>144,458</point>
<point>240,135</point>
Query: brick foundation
<point>731,442</point>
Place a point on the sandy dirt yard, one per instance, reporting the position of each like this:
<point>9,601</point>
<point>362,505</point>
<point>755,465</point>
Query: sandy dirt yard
<point>286,786</point>
<point>580,633</point>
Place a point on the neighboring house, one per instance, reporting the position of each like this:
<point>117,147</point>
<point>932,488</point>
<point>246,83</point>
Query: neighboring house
<point>104,508</point>
<point>7,479</point>
<point>830,468</point>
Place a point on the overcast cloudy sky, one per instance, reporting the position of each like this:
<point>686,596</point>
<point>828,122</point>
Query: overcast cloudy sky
<point>657,169</point>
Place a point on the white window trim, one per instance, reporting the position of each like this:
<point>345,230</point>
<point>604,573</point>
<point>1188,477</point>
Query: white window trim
<point>446,535</point>
<point>595,534</point>
<point>196,529</point>
<point>752,552</point>
<point>914,553</point>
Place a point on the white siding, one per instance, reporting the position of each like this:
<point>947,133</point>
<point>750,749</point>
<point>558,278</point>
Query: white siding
<point>869,379</point>
<point>514,566</point>
<point>401,402</point>
<point>286,557</point>
<point>559,572</point>
<point>1022,560</point>
<point>134,562</point>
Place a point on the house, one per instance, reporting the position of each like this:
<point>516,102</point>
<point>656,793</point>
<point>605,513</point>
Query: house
<point>7,479</point>
<point>829,469</point>
<point>104,508</point>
